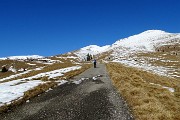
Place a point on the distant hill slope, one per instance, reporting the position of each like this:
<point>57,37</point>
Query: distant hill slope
<point>148,41</point>
<point>22,57</point>
<point>152,50</point>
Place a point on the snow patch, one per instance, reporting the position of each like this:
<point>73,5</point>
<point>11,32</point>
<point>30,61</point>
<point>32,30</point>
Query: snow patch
<point>77,82</point>
<point>61,82</point>
<point>13,90</point>
<point>12,69</point>
<point>95,78</point>
<point>170,89</point>
<point>49,89</point>
<point>31,64</point>
<point>23,57</point>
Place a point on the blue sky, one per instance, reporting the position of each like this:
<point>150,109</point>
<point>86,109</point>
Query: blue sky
<point>51,27</point>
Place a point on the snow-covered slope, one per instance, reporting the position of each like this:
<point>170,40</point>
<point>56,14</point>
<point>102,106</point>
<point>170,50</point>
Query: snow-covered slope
<point>92,49</point>
<point>22,57</point>
<point>128,50</point>
<point>145,41</point>
<point>140,51</point>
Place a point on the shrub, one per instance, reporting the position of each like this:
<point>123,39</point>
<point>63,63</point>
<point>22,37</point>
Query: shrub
<point>4,69</point>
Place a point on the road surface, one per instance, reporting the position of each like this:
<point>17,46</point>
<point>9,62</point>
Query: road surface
<point>94,98</point>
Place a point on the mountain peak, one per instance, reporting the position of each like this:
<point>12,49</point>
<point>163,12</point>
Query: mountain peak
<point>153,31</point>
<point>144,41</point>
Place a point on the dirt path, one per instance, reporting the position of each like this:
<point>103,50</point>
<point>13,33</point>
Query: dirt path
<point>92,99</point>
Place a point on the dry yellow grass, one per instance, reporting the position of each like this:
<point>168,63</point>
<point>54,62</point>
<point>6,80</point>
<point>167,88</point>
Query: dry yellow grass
<point>147,101</point>
<point>17,65</point>
<point>38,90</point>
<point>5,74</point>
<point>71,74</point>
<point>68,75</point>
<point>104,55</point>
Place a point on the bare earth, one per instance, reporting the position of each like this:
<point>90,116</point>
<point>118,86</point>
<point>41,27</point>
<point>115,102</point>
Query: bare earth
<point>90,100</point>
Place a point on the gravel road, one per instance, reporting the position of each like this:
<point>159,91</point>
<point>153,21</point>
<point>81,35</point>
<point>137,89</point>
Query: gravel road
<point>93,97</point>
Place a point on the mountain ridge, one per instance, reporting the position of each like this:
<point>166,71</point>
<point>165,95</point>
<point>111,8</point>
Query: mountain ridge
<point>145,41</point>
<point>153,50</point>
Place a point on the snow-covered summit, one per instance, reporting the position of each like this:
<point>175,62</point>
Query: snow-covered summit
<point>153,32</point>
<point>145,41</point>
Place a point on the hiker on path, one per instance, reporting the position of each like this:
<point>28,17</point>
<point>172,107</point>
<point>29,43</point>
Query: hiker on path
<point>94,63</point>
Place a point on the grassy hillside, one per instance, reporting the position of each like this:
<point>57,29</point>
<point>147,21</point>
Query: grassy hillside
<point>148,95</point>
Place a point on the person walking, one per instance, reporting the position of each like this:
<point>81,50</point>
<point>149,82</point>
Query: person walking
<point>94,63</point>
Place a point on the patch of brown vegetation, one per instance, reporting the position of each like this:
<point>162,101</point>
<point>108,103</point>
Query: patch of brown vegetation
<point>147,101</point>
<point>38,90</point>
<point>5,74</point>
<point>104,56</point>
<point>17,65</point>
<point>163,59</point>
<point>66,57</point>
<point>169,48</point>
<point>48,68</point>
<point>71,74</point>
